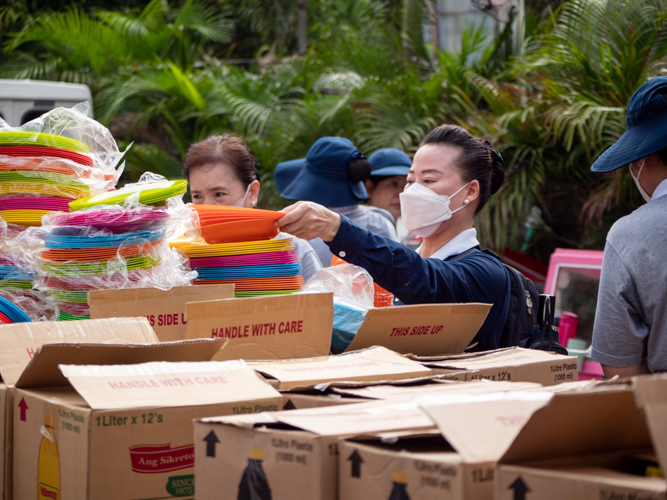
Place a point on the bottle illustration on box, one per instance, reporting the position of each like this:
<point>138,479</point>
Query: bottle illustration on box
<point>254,485</point>
<point>48,479</point>
<point>399,491</point>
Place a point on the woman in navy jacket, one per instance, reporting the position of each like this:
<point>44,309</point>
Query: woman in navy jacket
<point>453,174</point>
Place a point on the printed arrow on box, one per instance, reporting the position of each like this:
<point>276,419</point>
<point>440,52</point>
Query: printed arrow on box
<point>23,406</point>
<point>520,489</point>
<point>356,460</point>
<point>211,440</point>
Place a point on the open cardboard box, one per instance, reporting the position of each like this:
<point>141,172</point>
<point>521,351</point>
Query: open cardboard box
<point>300,326</point>
<point>359,392</point>
<point>21,341</point>
<point>512,364</point>
<point>375,363</point>
<point>603,443</point>
<point>428,329</point>
<point>293,454</point>
<point>104,429</point>
<point>272,327</point>
<point>455,463</point>
<point>164,309</point>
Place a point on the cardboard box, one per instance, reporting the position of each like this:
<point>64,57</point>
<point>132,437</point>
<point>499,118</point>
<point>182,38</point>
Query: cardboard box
<point>293,454</point>
<point>21,341</point>
<point>591,444</point>
<point>512,364</point>
<point>457,463</point>
<point>349,393</point>
<point>164,309</point>
<point>376,363</point>
<point>425,330</point>
<point>122,431</point>
<point>273,327</point>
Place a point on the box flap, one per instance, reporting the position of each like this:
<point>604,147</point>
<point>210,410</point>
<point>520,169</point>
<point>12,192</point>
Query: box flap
<point>43,371</point>
<point>356,419</point>
<point>581,422</point>
<point>21,341</point>
<point>421,329</point>
<point>167,384</point>
<point>164,309</point>
<point>272,327</point>
<point>481,426</point>
<point>345,420</point>
<point>390,391</point>
<point>651,394</point>
<point>376,363</point>
<point>502,357</point>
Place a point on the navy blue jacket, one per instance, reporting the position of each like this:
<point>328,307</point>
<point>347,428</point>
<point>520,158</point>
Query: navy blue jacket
<point>476,277</point>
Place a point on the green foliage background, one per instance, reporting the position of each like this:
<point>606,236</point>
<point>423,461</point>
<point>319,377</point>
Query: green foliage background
<point>165,74</point>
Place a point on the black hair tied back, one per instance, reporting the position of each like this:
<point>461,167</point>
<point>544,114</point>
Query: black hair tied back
<point>359,169</point>
<point>498,172</point>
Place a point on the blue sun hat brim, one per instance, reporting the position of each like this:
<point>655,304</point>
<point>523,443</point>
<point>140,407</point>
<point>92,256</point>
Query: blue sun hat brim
<point>322,177</point>
<point>646,128</point>
<point>389,162</point>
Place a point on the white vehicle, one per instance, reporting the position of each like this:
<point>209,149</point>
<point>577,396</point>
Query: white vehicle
<point>25,100</point>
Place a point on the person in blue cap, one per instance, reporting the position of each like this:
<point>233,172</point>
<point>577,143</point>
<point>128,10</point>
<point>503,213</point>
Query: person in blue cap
<point>453,175</point>
<point>630,330</point>
<point>332,174</point>
<point>389,171</point>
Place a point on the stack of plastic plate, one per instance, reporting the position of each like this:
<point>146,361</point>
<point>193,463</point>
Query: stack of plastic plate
<point>222,224</point>
<point>266,267</point>
<point>99,249</point>
<point>10,313</point>
<point>40,173</point>
<point>153,193</point>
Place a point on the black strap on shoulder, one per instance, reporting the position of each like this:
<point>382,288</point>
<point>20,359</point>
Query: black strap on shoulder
<point>464,254</point>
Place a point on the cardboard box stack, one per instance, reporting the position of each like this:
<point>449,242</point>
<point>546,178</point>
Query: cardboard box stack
<point>20,343</point>
<point>102,428</point>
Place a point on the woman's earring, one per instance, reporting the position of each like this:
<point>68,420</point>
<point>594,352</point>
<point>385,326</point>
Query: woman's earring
<point>466,202</point>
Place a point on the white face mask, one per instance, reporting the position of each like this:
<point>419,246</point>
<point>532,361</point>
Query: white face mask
<point>242,200</point>
<point>423,211</point>
<point>636,179</point>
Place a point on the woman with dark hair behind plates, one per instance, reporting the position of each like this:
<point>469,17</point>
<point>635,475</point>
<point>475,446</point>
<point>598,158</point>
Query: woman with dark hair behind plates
<point>222,171</point>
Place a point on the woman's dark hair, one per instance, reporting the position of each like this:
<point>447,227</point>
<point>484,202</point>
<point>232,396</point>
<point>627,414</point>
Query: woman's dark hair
<point>359,169</point>
<point>224,149</point>
<point>476,160</point>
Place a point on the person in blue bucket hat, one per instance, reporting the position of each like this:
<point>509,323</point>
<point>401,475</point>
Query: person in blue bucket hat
<point>630,330</point>
<point>389,172</point>
<point>332,174</point>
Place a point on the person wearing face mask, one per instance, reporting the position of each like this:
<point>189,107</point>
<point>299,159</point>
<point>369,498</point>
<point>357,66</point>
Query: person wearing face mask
<point>333,174</point>
<point>221,171</point>
<point>453,174</point>
<point>389,171</point>
<point>630,329</point>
